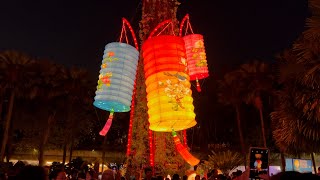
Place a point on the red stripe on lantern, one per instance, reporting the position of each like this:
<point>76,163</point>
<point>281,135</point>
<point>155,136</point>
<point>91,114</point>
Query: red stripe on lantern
<point>151,148</point>
<point>131,120</point>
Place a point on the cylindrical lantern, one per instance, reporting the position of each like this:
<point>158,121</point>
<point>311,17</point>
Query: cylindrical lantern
<point>196,55</point>
<point>116,79</point>
<point>170,102</point>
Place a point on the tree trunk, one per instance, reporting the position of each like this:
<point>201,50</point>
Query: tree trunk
<point>64,156</point>
<point>45,139</point>
<point>283,162</point>
<point>104,151</point>
<point>41,154</point>
<point>262,128</point>
<point>1,105</point>
<point>71,150</point>
<point>7,126</point>
<point>314,163</point>
<point>244,152</point>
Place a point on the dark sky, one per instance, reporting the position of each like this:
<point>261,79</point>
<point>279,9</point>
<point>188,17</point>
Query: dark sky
<point>75,32</point>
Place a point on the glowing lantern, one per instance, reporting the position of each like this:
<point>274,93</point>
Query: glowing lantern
<point>196,55</point>
<point>116,79</point>
<point>170,102</point>
<point>184,151</point>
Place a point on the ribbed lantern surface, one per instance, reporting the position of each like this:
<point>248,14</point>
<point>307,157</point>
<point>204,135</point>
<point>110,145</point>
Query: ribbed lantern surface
<point>196,56</point>
<point>116,79</point>
<point>170,102</point>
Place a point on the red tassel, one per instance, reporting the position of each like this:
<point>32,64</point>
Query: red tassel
<point>106,127</point>
<point>184,151</point>
<point>198,85</point>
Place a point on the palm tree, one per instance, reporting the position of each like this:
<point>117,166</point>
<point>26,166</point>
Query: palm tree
<point>48,92</point>
<point>77,88</point>
<point>231,92</point>
<point>298,114</point>
<point>259,81</point>
<point>225,160</point>
<point>14,68</point>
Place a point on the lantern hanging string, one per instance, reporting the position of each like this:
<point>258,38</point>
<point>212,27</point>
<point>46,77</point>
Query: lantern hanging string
<point>188,26</point>
<point>107,126</point>
<point>166,22</point>
<point>125,33</point>
<point>166,28</point>
<point>125,23</point>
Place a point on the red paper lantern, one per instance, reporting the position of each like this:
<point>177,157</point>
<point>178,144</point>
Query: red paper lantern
<point>196,55</point>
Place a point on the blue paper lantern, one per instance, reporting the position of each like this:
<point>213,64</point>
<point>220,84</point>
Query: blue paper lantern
<point>117,76</point>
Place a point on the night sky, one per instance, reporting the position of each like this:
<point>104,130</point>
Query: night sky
<point>74,33</point>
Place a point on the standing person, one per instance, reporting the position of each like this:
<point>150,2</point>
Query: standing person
<point>107,175</point>
<point>148,173</point>
<point>175,177</point>
<point>58,174</point>
<point>184,177</point>
<point>90,174</point>
<point>32,172</point>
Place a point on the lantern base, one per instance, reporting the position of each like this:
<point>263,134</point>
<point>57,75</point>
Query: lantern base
<point>111,106</point>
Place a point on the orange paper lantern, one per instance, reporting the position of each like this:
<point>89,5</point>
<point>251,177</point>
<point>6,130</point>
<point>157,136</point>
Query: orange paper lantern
<point>196,55</point>
<point>170,102</point>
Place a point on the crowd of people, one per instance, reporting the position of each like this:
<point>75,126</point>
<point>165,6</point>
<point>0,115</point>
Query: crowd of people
<point>29,172</point>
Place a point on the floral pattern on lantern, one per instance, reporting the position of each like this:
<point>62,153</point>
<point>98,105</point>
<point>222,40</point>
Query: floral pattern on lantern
<point>175,91</point>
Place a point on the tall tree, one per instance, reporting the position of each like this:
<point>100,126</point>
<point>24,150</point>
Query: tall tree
<point>153,12</point>
<point>232,91</point>
<point>48,93</point>
<point>259,79</point>
<point>77,88</point>
<point>297,117</point>
<point>14,66</point>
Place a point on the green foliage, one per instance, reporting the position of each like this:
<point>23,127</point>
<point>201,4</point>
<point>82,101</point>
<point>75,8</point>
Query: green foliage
<point>226,160</point>
<point>167,159</point>
<point>296,118</point>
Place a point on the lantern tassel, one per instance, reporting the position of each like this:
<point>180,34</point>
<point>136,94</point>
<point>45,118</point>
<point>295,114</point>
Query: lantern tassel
<point>106,127</point>
<point>189,158</point>
<point>198,85</point>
